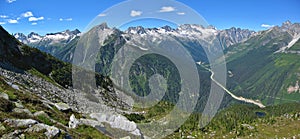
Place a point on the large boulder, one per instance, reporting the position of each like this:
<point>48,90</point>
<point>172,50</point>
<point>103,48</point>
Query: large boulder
<point>62,106</point>
<point>117,121</point>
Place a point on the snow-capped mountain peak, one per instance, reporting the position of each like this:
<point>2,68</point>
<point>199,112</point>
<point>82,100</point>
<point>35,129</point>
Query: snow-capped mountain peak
<point>52,38</point>
<point>33,37</point>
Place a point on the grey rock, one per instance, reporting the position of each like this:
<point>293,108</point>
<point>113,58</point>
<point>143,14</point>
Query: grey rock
<point>40,113</point>
<point>20,122</point>
<point>90,122</point>
<point>73,123</point>
<point>51,132</point>
<point>18,110</point>
<point>14,86</point>
<point>4,95</point>
<point>117,121</point>
<point>62,106</point>
<point>19,105</point>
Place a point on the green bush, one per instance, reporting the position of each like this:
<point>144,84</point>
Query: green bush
<point>137,118</point>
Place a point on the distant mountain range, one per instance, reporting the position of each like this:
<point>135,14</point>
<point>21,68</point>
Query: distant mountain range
<point>49,43</point>
<point>61,44</point>
<point>53,43</point>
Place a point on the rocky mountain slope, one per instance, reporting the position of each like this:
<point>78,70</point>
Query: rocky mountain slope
<point>38,98</point>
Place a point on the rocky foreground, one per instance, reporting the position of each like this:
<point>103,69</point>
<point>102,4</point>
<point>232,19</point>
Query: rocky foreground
<point>35,104</point>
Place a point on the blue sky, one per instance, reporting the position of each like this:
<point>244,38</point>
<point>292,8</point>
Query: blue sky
<point>45,16</point>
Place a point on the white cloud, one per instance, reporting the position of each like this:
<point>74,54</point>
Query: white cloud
<point>267,26</point>
<point>3,16</point>
<point>181,13</point>
<point>12,21</point>
<point>167,9</point>
<point>34,23</point>
<point>35,18</point>
<point>27,14</point>
<point>102,15</point>
<point>66,19</point>
<point>11,1</point>
<point>2,23</point>
<point>135,13</point>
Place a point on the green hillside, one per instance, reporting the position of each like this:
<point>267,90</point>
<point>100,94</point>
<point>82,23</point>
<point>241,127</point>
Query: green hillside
<point>260,73</point>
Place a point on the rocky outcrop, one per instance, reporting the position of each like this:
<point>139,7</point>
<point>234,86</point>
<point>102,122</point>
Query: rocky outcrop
<point>20,122</point>
<point>17,134</point>
<point>117,121</point>
<point>73,123</point>
<point>32,126</point>
<point>72,99</point>
<point>51,131</point>
<point>114,120</point>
